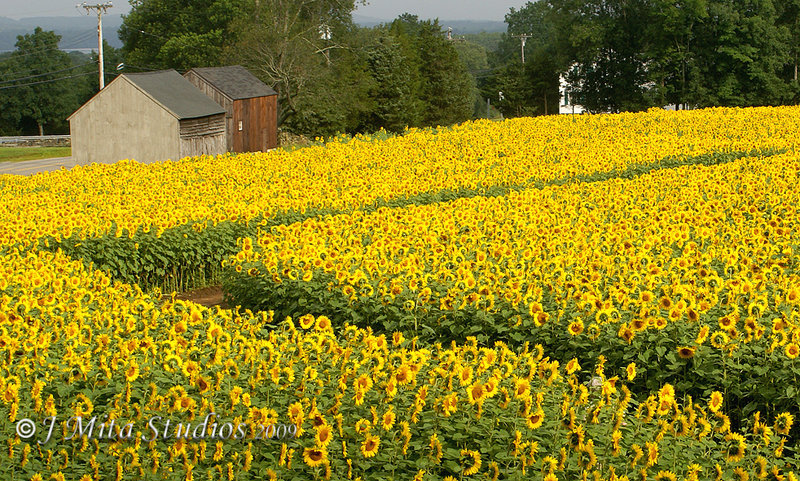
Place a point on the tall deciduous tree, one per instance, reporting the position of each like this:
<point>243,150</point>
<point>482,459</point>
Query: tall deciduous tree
<point>290,43</point>
<point>789,19</point>
<point>337,98</point>
<point>39,87</point>
<point>607,41</point>
<point>675,49</point>
<point>179,34</point>
<point>743,54</point>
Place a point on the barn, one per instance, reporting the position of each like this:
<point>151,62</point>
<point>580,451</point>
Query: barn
<point>147,117</point>
<point>251,106</point>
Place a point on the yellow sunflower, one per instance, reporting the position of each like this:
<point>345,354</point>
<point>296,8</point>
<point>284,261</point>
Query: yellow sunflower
<point>631,371</point>
<point>716,401</point>
<point>369,447</point>
<point>324,435</point>
<point>315,456</point>
<point>575,327</point>
<point>476,461</point>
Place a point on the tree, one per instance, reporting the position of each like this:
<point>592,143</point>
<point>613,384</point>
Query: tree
<point>179,34</point>
<point>744,53</point>
<point>396,105</point>
<point>39,86</point>
<point>789,19</point>
<point>606,40</point>
<point>338,98</point>
<point>289,44</point>
<point>675,49</point>
<point>446,90</point>
<point>475,58</point>
<point>440,86</point>
<point>509,91</point>
<point>532,88</point>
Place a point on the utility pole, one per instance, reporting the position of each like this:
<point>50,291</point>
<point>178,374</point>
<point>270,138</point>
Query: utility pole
<point>101,8</point>
<point>523,38</point>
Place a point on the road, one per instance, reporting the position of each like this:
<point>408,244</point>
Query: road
<point>28,167</point>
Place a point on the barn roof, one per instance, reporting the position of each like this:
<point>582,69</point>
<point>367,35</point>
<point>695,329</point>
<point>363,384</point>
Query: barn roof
<point>175,93</point>
<point>235,82</point>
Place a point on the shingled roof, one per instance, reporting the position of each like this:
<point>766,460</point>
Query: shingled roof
<point>175,93</point>
<point>235,82</point>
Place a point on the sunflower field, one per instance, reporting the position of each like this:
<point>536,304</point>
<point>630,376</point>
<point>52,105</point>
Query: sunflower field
<point>611,297</point>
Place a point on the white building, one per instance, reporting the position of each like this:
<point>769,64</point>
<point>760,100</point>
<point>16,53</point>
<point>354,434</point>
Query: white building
<point>566,105</point>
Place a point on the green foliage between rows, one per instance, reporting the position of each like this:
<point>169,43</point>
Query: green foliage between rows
<point>184,257</point>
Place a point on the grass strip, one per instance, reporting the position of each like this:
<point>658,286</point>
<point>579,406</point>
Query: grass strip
<point>19,154</point>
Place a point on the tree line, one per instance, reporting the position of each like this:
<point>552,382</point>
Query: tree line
<point>630,55</point>
<point>334,76</point>
<point>331,75</point>
<point>41,85</point>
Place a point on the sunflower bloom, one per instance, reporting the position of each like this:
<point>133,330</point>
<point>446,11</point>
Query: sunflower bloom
<point>476,461</point>
<point>315,456</point>
<point>369,447</point>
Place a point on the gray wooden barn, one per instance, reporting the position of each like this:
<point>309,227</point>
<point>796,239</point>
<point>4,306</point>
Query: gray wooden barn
<point>251,106</point>
<point>147,117</point>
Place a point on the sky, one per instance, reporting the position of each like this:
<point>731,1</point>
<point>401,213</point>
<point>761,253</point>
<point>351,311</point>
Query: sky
<point>382,9</point>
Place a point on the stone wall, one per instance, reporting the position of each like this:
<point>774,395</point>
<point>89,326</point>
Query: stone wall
<point>36,141</point>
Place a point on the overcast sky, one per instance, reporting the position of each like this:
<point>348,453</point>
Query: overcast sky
<point>384,9</point>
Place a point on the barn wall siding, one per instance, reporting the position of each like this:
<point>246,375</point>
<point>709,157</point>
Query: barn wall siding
<point>259,130</point>
<point>203,126</point>
<point>121,122</point>
<point>203,136</point>
<point>204,145</point>
<point>272,121</point>
<point>217,97</point>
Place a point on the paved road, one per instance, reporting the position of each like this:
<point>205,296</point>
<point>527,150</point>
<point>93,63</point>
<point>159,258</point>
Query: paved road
<point>28,167</point>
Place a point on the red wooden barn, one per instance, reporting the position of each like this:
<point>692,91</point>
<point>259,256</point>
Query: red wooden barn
<point>251,106</point>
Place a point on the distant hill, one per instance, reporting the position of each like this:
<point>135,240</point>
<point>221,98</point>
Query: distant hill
<point>460,27</point>
<point>78,32</point>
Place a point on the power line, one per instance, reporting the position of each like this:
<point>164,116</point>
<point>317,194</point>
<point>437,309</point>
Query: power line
<point>45,74</point>
<point>27,71</point>
<point>147,69</point>
<point>74,41</point>
<point>47,81</point>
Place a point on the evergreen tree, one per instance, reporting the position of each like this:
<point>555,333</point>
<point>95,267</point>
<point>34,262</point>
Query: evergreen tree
<point>396,105</point>
<point>446,90</point>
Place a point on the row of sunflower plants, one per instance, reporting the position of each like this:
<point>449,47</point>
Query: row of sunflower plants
<point>174,391</point>
<point>189,255</point>
<point>688,272</point>
<point>115,216</point>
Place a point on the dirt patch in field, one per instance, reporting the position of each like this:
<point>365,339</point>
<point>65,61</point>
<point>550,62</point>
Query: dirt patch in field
<point>207,296</point>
